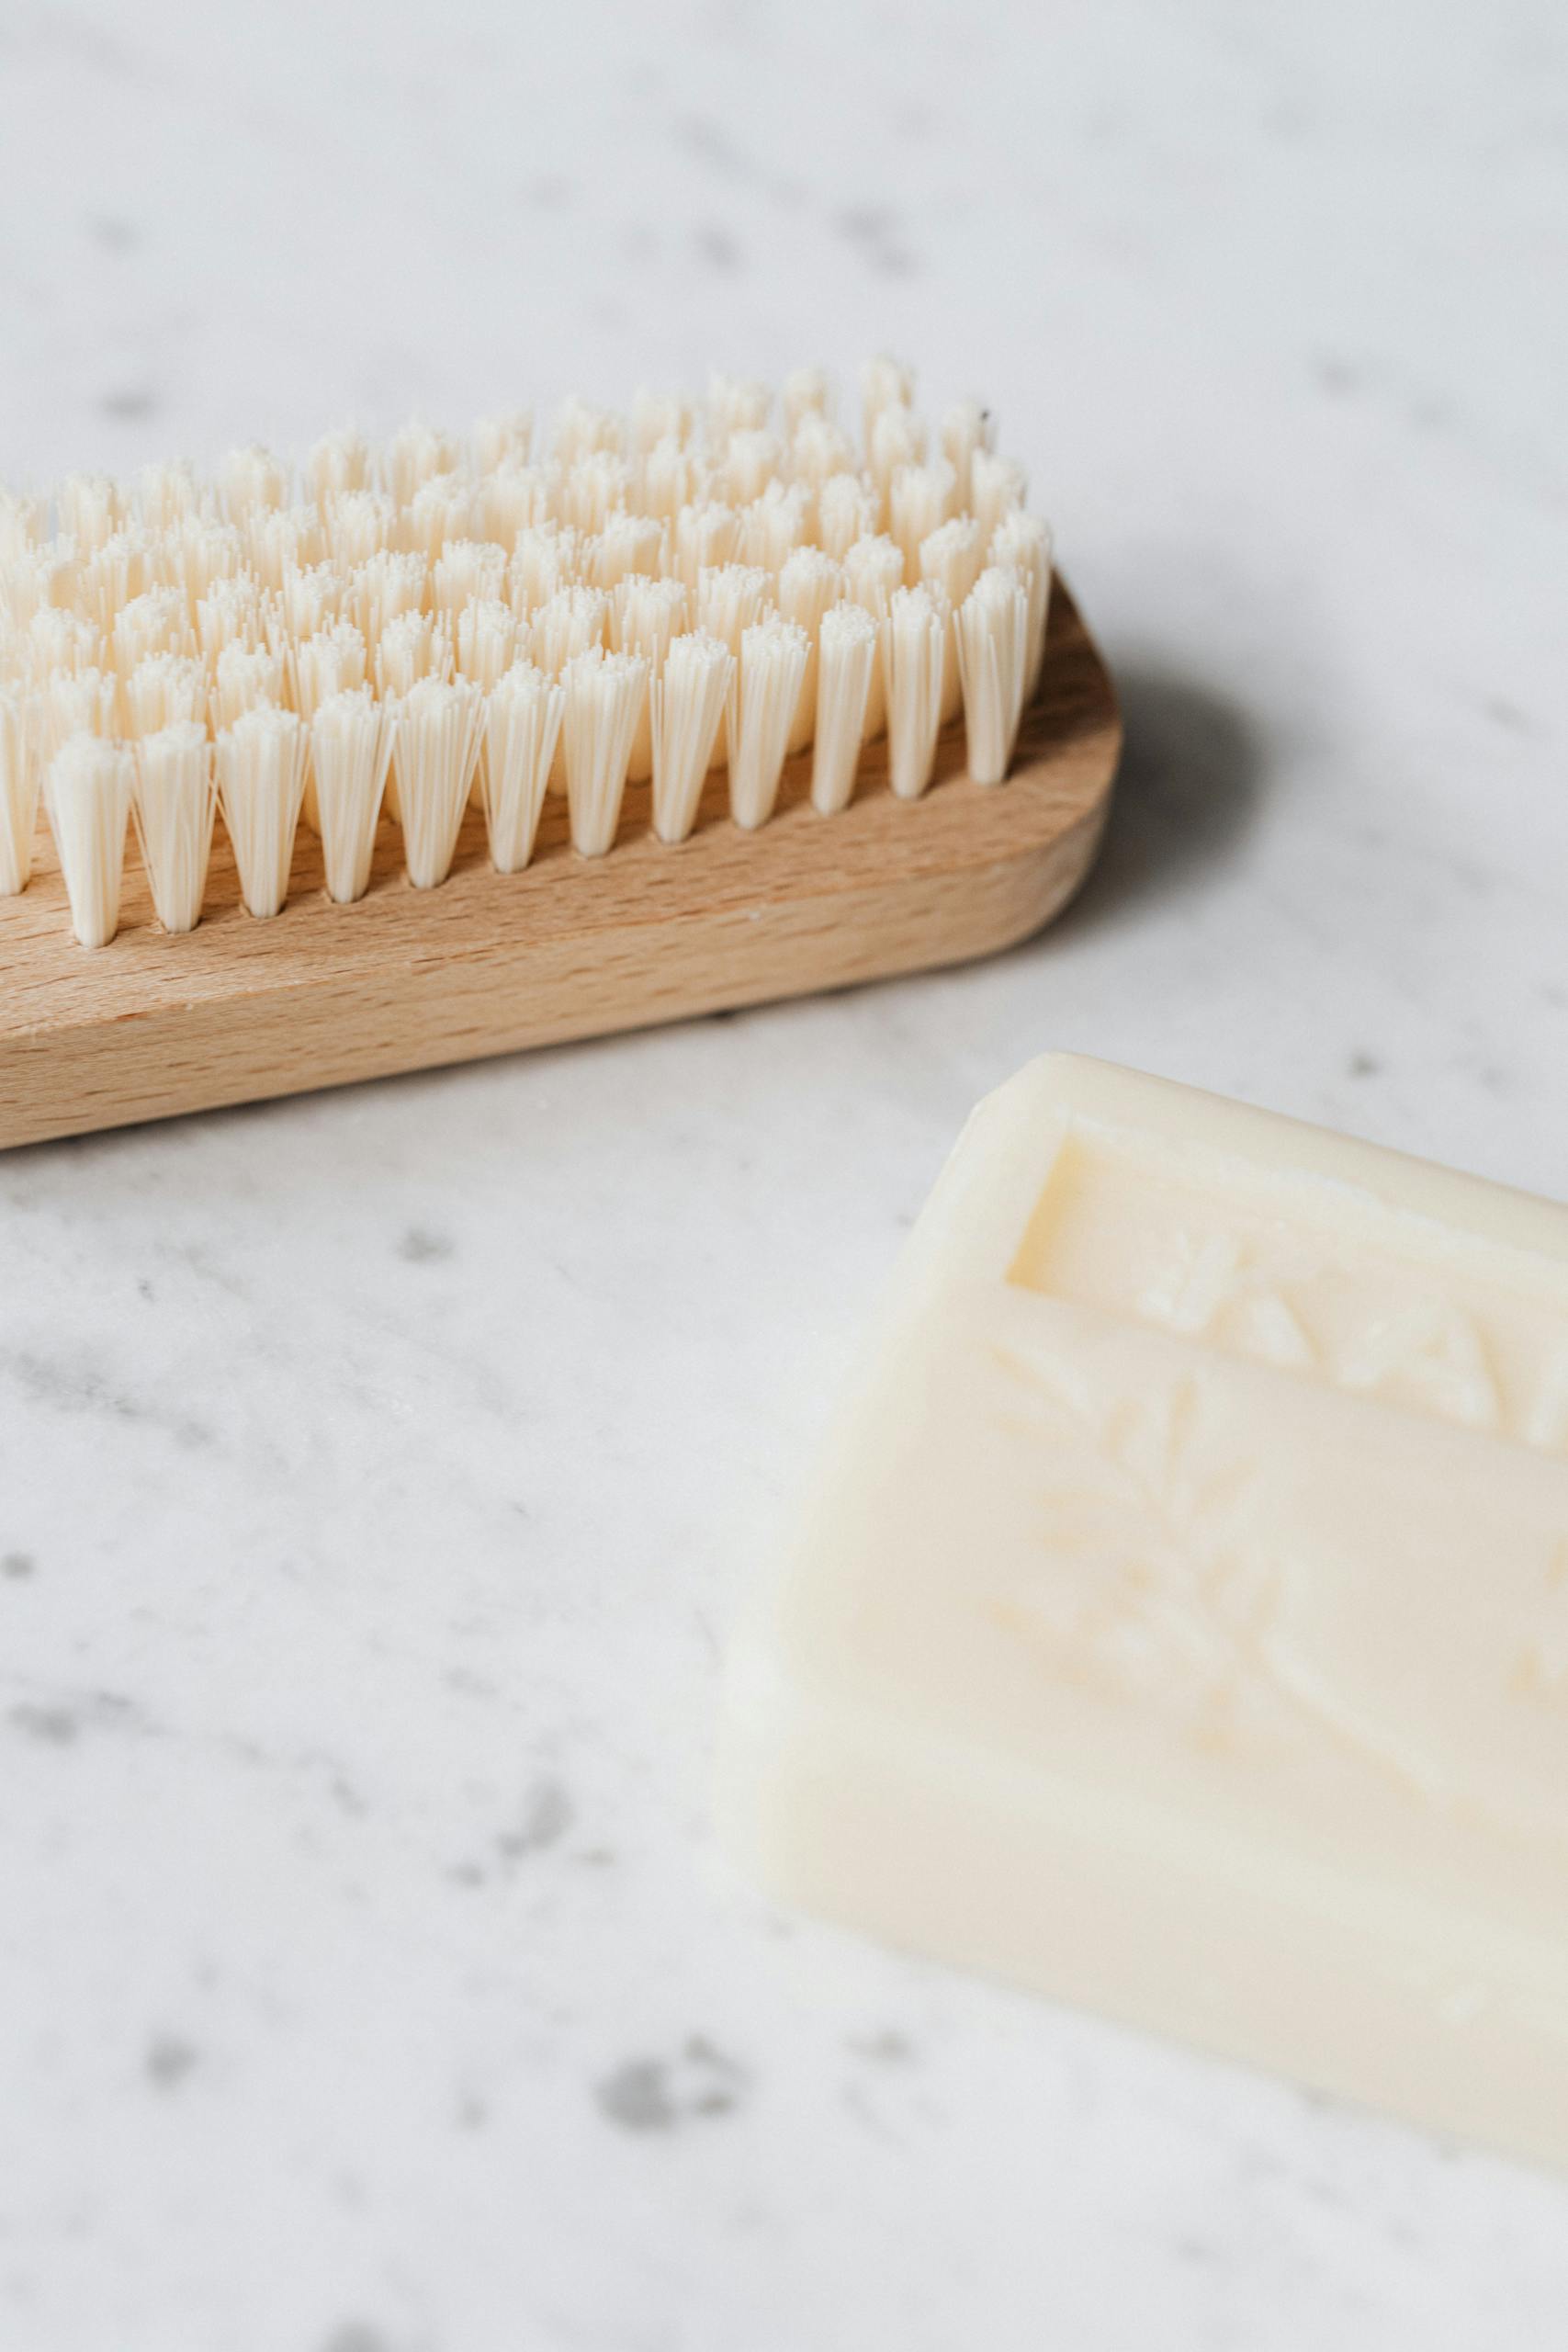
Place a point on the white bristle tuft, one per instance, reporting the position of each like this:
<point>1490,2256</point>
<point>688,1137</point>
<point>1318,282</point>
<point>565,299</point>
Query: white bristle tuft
<point>331,661</point>
<point>996,486</point>
<point>750,463</point>
<point>897,439</point>
<point>261,764</point>
<point>521,728</point>
<point>57,640</point>
<point>252,479</point>
<point>487,641</point>
<point>884,382</point>
<point>806,392</point>
<point>809,582</point>
<point>846,511</point>
<point>87,794</point>
<point>847,660</point>
<point>433,759</point>
<point>174,800</point>
<point>774,526</point>
<point>350,748</point>
<point>706,537</point>
<point>83,701</point>
<point>593,489</point>
<point>774,655</point>
<point>284,539</point>
<point>385,586</point>
<point>122,569</point>
<point>359,525</point>
<point>950,560</point>
<point>669,476</point>
<point>874,568</point>
<point>660,416</point>
<point>164,690</point>
<point>817,451</point>
<point>581,430</point>
<point>645,615</point>
<point>919,500</point>
<point>54,581</point>
<point>91,510</point>
<point>731,598</point>
<point>415,455</point>
<point>993,654</point>
<point>19,777</point>
<point>734,404</point>
<point>627,544</point>
<point>953,558</point>
<point>503,440</point>
<point>686,704</point>
<point>309,600</point>
<point>913,648</point>
<point>165,494</point>
<point>603,699</point>
<point>1023,541</point>
<point>203,554</point>
<point>413,648</point>
<point>966,427</point>
<point>228,613</point>
<point>441,509</point>
<point>155,622</point>
<point>567,624</point>
<point>515,498</point>
<point>464,569</point>
<point>338,463</point>
<point>24,586</point>
<point>22,524</point>
<point>245,678</point>
<point>544,561</point>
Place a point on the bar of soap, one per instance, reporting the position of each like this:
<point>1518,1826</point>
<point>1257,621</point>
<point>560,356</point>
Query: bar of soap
<point>1180,1626</point>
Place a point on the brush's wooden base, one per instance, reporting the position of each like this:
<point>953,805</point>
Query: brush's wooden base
<point>238,1010</point>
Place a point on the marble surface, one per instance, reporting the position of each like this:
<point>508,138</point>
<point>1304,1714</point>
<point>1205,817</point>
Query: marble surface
<point>378,1473</point>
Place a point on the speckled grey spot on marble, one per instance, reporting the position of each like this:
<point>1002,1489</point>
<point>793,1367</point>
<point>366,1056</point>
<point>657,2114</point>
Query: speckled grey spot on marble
<point>74,1388</point>
<point>551,192</point>
<point>548,1813</point>
<point>889,2049</point>
<point>130,403</point>
<point>56,1726</point>
<point>875,233</point>
<point>719,248</point>
<point>16,1564</point>
<point>657,2094</point>
<point>169,2060</point>
<point>636,2096</point>
<point>419,1246</point>
<point>1336,377</point>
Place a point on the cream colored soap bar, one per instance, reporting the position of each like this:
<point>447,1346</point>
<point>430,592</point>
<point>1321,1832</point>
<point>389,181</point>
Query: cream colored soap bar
<point>1181,1625</point>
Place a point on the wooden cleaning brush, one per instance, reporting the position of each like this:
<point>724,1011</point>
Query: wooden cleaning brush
<point>702,705</point>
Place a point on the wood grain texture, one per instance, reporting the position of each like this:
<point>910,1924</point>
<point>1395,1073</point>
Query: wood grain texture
<point>238,1010</point>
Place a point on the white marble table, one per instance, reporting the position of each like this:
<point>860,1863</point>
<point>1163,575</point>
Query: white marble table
<point>378,1472</point>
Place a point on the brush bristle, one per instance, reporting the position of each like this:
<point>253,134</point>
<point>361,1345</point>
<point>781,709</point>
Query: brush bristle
<point>88,797</point>
<point>174,801</point>
<point>398,632</point>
